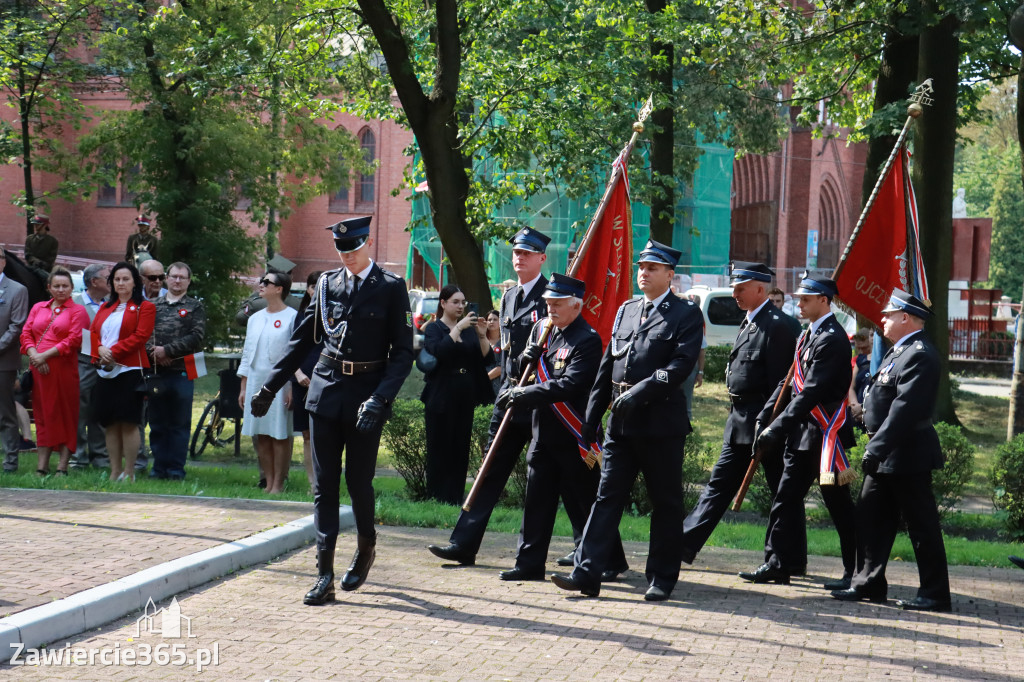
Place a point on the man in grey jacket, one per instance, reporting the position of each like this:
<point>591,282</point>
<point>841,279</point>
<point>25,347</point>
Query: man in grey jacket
<point>13,313</point>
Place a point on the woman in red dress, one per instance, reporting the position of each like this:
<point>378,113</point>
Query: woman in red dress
<point>51,338</point>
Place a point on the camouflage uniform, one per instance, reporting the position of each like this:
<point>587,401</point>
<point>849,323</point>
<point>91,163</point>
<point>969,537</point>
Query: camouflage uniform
<point>180,328</point>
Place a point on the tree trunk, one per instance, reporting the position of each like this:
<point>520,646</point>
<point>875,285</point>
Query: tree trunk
<point>434,122</point>
<point>1015,423</point>
<point>934,148</point>
<point>663,200</point>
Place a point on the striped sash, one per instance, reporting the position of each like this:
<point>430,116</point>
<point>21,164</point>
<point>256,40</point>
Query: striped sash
<point>834,466</point>
<point>589,452</point>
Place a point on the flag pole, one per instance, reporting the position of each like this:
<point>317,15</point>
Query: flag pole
<point>488,460</point>
<point>922,95</point>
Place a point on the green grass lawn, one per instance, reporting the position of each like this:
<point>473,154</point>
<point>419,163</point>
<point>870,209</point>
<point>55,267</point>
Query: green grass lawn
<point>220,474</point>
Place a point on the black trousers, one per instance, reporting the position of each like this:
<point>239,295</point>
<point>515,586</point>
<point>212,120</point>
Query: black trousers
<point>471,526</point>
<point>661,461</point>
<point>883,500</point>
<point>786,537</point>
<point>726,479</point>
<point>448,435</point>
<point>555,468</point>
<point>330,436</point>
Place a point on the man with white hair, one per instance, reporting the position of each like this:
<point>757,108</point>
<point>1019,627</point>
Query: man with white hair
<point>559,461</point>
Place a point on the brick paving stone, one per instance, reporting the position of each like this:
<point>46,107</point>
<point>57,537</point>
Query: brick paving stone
<point>57,543</point>
<point>415,619</point>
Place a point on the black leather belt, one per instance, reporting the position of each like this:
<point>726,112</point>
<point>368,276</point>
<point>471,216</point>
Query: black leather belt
<point>348,367</point>
<point>620,387</point>
<point>744,398</point>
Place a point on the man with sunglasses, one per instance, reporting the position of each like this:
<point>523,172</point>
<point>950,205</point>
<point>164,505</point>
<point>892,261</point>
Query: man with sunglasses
<point>361,314</point>
<point>153,279</point>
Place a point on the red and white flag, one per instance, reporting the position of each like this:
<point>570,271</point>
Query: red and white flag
<point>607,265</point>
<point>195,366</point>
<point>886,252</point>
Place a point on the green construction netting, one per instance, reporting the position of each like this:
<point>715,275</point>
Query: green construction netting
<point>701,231</point>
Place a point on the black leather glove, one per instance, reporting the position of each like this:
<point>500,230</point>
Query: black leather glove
<point>869,466</point>
<point>768,439</point>
<point>371,415</point>
<point>589,433</point>
<point>261,401</point>
<point>757,430</point>
<point>624,405</point>
<point>508,397</point>
<point>531,355</point>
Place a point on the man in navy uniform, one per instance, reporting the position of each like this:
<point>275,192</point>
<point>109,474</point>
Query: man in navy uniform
<point>758,362</point>
<point>521,307</point>
<point>898,462</point>
<point>558,461</point>
<point>361,314</point>
<point>816,408</point>
<point>654,346</point>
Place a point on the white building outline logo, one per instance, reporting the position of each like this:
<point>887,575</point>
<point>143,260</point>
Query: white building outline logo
<point>170,617</point>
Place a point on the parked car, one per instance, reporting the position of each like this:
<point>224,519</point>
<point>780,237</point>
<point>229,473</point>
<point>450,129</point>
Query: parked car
<point>424,306</point>
<point>722,317</point>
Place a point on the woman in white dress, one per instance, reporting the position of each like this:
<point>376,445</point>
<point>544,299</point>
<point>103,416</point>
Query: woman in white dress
<point>266,339</point>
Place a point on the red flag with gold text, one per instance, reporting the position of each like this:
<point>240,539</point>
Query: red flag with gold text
<point>886,253</point>
<point>607,265</point>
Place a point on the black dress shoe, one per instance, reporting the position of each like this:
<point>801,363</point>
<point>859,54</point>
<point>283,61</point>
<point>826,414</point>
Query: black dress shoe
<point>610,575</point>
<point>767,574</point>
<point>923,604</point>
<point>1016,561</point>
<point>567,560</point>
<point>656,593</point>
<point>859,594</point>
<point>516,574</point>
<point>837,585</point>
<point>453,552</point>
<point>362,561</point>
<point>567,582</point>
<point>323,588</point>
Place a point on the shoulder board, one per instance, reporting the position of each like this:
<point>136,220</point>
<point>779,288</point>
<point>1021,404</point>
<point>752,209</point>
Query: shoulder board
<point>391,275</point>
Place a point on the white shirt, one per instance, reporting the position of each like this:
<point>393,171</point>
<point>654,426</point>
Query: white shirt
<point>907,336</point>
<point>528,287</point>
<point>658,300</point>
<point>751,314</point>
<point>363,274</point>
<point>109,335</point>
<point>813,326</point>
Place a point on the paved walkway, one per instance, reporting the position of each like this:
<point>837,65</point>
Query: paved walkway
<point>56,543</point>
<point>416,619</point>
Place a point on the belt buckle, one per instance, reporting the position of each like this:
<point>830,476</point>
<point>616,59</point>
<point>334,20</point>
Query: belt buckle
<point>348,367</point>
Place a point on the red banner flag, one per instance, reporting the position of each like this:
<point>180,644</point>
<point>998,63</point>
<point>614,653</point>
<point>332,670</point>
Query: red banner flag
<point>607,266</point>
<point>886,253</point>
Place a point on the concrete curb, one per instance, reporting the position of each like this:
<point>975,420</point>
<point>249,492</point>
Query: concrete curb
<point>99,605</point>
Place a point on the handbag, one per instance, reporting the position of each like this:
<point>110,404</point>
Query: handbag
<point>426,362</point>
<point>151,385</point>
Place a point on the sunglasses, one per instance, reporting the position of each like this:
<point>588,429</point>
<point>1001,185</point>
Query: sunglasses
<point>156,278</point>
<point>267,282</point>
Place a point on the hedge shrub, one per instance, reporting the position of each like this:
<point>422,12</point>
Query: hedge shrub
<point>698,457</point>
<point>1008,486</point>
<point>716,359</point>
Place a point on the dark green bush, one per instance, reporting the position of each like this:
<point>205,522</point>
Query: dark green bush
<point>1008,486</point>
<point>405,436</point>
<point>698,457</point>
<point>716,359</point>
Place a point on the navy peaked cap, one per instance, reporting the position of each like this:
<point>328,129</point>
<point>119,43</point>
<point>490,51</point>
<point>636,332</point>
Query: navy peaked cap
<point>563,286</point>
<point>351,233</point>
<point>529,239</point>
<point>656,252</point>
<point>817,286</point>
<point>745,272</point>
<point>901,301</point>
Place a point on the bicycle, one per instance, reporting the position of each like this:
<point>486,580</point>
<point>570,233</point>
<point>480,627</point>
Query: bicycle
<point>222,418</point>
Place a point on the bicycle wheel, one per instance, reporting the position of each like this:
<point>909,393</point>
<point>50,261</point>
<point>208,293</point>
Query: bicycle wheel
<point>205,429</point>
<point>223,431</point>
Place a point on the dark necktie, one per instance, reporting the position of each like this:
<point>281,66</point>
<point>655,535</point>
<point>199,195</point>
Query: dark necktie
<point>520,297</point>
<point>743,325</point>
<point>648,307</point>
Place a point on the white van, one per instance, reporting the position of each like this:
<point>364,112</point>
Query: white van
<point>722,317</point>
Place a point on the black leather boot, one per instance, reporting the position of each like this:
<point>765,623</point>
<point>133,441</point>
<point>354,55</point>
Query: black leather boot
<point>362,560</point>
<point>323,589</point>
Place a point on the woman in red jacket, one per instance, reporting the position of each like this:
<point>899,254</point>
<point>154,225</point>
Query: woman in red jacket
<point>118,338</point>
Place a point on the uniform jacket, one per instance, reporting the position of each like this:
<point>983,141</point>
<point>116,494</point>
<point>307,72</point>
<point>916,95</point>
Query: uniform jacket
<point>460,378</point>
<point>758,362</point>
<point>825,359</point>
<point>898,409</point>
<point>41,250</point>
<point>654,358</point>
<point>516,326</point>
<point>180,328</point>
<point>379,328</point>
<point>136,328</point>
<point>141,242</point>
<point>573,355</point>
<point>13,313</point>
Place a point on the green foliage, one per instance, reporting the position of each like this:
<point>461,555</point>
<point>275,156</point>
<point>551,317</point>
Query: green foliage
<point>1008,486</point>
<point>698,457</point>
<point>716,360</point>
<point>1006,270</point>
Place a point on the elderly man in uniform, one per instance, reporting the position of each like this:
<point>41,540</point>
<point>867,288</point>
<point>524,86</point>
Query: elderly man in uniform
<point>558,460</point>
<point>654,346</point>
<point>815,431</point>
<point>92,441</point>
<point>758,362</point>
<point>179,331</point>
<point>521,307</point>
<point>361,313</point>
<point>898,462</point>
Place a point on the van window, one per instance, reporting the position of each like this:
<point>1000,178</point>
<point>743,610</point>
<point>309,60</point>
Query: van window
<point>723,310</point>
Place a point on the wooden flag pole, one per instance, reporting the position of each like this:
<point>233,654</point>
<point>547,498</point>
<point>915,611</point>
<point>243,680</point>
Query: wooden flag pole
<point>574,266</point>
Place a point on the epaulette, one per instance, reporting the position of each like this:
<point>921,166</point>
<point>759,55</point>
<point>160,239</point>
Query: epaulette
<point>393,275</point>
